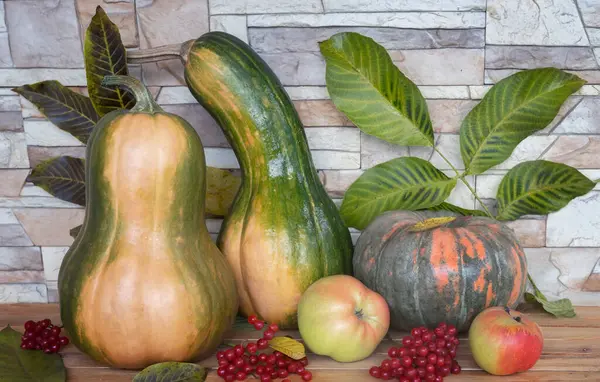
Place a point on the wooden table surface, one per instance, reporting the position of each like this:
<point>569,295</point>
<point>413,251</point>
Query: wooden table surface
<point>571,351</point>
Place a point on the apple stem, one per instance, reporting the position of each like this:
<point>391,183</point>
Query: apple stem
<point>359,314</point>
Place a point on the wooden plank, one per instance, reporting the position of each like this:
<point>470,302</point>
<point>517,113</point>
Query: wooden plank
<point>17,314</point>
<point>101,375</point>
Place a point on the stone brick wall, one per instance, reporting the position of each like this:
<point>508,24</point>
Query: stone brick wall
<point>453,49</point>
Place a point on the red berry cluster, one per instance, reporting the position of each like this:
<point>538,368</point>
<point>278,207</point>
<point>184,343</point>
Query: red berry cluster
<point>237,363</point>
<point>42,335</point>
<point>425,355</point>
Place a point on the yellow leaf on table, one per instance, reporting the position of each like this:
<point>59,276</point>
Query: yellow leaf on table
<point>288,346</point>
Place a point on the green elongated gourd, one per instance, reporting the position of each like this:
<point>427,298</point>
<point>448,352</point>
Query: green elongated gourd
<point>144,282</point>
<point>283,232</point>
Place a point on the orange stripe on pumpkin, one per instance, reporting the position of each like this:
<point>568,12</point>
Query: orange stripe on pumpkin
<point>479,284</point>
<point>517,254</point>
<point>490,295</point>
<point>444,258</point>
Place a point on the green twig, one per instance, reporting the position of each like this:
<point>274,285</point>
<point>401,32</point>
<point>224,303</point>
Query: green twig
<point>461,177</point>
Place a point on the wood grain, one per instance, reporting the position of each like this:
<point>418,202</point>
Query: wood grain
<point>571,351</point>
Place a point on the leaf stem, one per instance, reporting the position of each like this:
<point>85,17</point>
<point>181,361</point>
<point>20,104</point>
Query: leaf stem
<point>462,178</point>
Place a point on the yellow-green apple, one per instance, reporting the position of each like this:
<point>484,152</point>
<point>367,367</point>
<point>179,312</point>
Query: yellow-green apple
<point>504,341</point>
<point>338,316</point>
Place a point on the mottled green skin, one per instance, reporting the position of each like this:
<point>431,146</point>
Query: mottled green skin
<point>201,267</point>
<point>401,265</point>
<point>278,174</point>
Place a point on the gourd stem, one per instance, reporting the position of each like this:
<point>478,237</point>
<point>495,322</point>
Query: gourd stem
<point>144,100</point>
<point>487,211</point>
<point>160,53</point>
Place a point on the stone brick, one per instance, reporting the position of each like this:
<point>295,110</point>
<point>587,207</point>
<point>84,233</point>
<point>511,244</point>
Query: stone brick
<point>11,121</point>
<point>45,133</point>
<point>594,36</point>
<point>531,233</point>
<point>13,235</point>
<point>21,277</point>
<point>320,113</point>
<point>416,20</point>
<point>13,150</point>
<point>295,69</point>
<point>220,158</point>
<point>441,66</point>
<point>5,55</point>
<point>283,40</point>
<point>529,149</point>
<point>375,151</point>
<point>460,195</point>
<point>12,181</point>
<point>307,92</point>
<point>487,185</point>
<point>2,18</point>
<point>160,23</point>
<point>36,202</point>
<point>170,95</point>
<point>23,293</point>
<point>590,10</point>
<point>592,284</point>
<point>44,34</point>
<point>7,217</point>
<point>20,258</point>
<point>584,119</point>
<point>30,190</point>
<point>402,5</point>
<point>336,182</point>
<point>38,154</point>
<point>214,225</point>
<point>232,24</point>
<point>447,115</point>
<point>210,133</point>
<point>10,103</point>
<point>575,150</point>
<point>562,272</point>
<point>120,12</point>
<point>53,257</point>
<point>264,6</point>
<point>336,160</point>
<point>18,77</point>
<point>333,138</point>
<point>543,22</point>
<point>50,226</point>
<point>444,92</point>
<point>576,224</point>
<point>530,57</point>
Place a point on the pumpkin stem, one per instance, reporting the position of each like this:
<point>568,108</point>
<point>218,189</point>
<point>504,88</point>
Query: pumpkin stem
<point>144,100</point>
<point>160,53</point>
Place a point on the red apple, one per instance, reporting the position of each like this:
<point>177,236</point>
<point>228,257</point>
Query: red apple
<point>504,341</point>
<point>338,316</point>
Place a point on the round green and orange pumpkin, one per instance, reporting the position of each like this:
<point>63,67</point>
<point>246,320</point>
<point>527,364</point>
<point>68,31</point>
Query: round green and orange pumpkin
<point>434,267</point>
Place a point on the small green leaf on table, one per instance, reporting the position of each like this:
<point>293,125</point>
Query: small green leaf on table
<point>372,92</point>
<point>539,187</point>
<point>172,372</point>
<point>105,54</point>
<point>559,308</point>
<point>408,183</point>
<point>68,110</point>
<point>63,177</point>
<point>18,365</point>
<point>513,109</point>
<point>221,189</point>
<point>453,208</point>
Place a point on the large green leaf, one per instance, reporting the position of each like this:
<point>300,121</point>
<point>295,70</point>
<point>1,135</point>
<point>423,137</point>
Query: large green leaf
<point>453,208</point>
<point>63,177</point>
<point>407,183</point>
<point>513,109</point>
<point>364,84</point>
<point>539,187</point>
<point>172,372</point>
<point>221,188</point>
<point>70,111</point>
<point>18,365</point>
<point>105,55</point>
